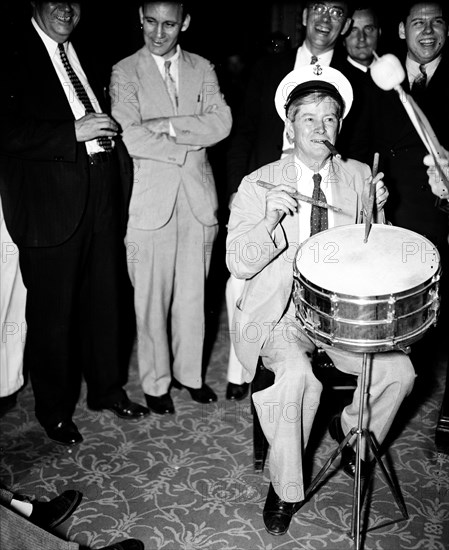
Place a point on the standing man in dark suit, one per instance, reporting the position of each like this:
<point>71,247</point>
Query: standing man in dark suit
<point>424,28</point>
<point>259,136</point>
<point>65,184</point>
<point>360,43</point>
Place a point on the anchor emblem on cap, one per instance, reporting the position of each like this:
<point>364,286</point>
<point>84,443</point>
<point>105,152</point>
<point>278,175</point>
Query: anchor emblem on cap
<point>318,70</point>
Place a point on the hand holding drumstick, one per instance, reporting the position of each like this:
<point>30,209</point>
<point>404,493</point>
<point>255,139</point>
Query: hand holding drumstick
<point>283,199</point>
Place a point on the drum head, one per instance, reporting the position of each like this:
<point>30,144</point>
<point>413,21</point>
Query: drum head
<point>391,261</point>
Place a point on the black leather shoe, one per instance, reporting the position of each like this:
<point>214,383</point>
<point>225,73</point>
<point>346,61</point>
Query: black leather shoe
<point>201,395</point>
<point>125,408</point>
<point>162,404</point>
<point>236,392</point>
<point>277,514</point>
<point>128,544</point>
<point>64,432</point>
<point>50,514</point>
<point>348,455</point>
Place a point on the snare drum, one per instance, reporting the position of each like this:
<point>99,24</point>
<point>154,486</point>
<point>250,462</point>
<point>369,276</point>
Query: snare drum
<point>366,297</point>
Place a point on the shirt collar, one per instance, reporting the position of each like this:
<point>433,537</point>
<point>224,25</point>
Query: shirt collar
<point>160,61</point>
<point>304,56</point>
<point>413,68</point>
<point>358,65</point>
<point>305,172</point>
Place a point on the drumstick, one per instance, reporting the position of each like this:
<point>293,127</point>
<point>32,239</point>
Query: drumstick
<point>372,197</point>
<point>433,146</point>
<point>301,197</point>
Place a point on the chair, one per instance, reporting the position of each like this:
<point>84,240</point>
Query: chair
<point>327,374</point>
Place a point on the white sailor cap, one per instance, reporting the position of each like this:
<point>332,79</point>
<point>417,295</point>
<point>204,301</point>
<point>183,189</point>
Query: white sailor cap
<point>310,79</point>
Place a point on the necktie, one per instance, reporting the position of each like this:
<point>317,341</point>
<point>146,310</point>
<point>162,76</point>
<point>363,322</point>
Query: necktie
<point>314,60</point>
<point>171,86</point>
<point>81,93</point>
<point>318,217</point>
<point>419,84</point>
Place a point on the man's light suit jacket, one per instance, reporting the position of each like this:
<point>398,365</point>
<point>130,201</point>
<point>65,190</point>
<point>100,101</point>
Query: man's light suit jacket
<point>161,162</point>
<point>266,261</point>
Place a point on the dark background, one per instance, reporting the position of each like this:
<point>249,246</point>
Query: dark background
<point>217,30</point>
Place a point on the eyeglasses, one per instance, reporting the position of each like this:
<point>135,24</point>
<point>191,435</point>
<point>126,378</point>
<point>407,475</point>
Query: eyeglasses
<point>334,13</point>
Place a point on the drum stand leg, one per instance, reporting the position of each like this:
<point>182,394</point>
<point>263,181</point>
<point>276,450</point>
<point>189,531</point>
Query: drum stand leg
<point>360,432</point>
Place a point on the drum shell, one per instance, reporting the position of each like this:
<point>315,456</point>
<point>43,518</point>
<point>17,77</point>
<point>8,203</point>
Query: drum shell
<point>375,323</point>
<point>366,296</point>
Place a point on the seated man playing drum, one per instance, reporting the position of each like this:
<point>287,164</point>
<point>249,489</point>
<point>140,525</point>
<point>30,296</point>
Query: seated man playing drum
<point>266,226</point>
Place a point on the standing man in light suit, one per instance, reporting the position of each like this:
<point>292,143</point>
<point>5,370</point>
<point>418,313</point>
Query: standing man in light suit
<point>170,108</point>
<point>65,178</point>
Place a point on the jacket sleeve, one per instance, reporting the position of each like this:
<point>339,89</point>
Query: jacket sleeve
<point>192,132</point>
<point>249,246</point>
<point>214,121</point>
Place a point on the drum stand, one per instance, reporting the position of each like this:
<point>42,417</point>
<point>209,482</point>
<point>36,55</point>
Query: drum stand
<point>360,432</point>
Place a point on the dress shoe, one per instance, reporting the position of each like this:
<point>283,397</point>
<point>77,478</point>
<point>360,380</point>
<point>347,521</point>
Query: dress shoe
<point>128,544</point>
<point>162,404</point>
<point>277,514</point>
<point>348,454</point>
<point>50,514</point>
<point>64,432</point>
<point>201,395</point>
<point>125,408</point>
<point>236,392</point>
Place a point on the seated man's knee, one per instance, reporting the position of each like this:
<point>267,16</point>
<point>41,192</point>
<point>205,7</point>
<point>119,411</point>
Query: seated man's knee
<point>398,369</point>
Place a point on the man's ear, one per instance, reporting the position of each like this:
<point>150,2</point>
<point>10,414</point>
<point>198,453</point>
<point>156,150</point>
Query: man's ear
<point>305,13</point>
<point>402,30</point>
<point>346,26</point>
<point>141,15</point>
<point>185,23</point>
<point>289,130</point>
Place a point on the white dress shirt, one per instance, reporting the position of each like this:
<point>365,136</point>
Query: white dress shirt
<point>413,70</point>
<point>77,107</point>
<point>304,178</point>
<point>174,71</point>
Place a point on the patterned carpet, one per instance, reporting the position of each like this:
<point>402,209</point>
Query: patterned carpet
<point>186,482</point>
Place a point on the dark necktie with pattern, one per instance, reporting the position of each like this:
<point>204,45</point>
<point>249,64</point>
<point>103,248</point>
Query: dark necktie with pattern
<point>81,93</point>
<point>318,217</point>
<point>314,60</point>
<point>419,84</point>
<point>171,86</point>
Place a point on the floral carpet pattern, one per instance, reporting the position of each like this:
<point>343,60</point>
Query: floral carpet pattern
<point>186,481</point>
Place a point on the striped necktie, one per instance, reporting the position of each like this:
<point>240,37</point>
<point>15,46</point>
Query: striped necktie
<point>419,84</point>
<point>171,86</point>
<point>318,216</point>
<point>81,93</point>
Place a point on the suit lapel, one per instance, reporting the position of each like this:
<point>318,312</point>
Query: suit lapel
<point>189,90</point>
<point>152,81</point>
<point>343,196</point>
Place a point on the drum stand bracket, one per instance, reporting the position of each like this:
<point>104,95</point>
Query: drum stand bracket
<point>361,433</point>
